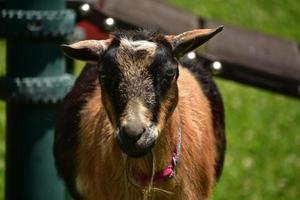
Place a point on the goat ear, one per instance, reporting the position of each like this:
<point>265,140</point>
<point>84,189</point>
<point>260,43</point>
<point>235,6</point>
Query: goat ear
<point>86,50</point>
<point>190,40</point>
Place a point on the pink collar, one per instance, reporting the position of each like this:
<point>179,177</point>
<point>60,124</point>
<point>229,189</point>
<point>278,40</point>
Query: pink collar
<point>168,172</point>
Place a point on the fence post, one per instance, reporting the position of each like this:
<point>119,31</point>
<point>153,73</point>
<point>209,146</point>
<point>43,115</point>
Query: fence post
<point>35,81</point>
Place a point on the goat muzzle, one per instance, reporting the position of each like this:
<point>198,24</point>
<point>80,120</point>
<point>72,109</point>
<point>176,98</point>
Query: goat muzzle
<point>136,141</point>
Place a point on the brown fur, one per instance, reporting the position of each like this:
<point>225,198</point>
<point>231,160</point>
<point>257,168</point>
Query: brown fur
<point>100,164</point>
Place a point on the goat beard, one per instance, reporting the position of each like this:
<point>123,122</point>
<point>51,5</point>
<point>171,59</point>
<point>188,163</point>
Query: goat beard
<point>148,191</point>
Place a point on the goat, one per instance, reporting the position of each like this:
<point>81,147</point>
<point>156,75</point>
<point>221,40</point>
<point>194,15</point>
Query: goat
<point>137,124</point>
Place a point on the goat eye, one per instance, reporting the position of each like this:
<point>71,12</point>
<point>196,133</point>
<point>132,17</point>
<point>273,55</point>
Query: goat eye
<point>171,72</point>
<point>102,76</point>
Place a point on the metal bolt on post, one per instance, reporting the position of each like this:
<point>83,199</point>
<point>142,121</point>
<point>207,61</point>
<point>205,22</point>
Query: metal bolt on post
<point>36,80</point>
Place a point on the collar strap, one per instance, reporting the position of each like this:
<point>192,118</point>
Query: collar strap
<point>168,172</point>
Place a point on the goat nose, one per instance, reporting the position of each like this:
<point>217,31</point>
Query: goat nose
<point>132,131</point>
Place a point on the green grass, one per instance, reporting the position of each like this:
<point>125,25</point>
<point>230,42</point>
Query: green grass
<point>278,18</point>
<point>263,155</point>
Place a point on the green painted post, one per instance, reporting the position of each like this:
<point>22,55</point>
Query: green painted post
<point>35,82</point>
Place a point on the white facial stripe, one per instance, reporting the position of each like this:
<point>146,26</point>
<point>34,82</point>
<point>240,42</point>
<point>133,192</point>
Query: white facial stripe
<point>138,44</point>
<point>134,110</point>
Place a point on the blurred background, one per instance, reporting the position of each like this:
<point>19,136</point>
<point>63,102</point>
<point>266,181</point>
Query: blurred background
<point>263,128</point>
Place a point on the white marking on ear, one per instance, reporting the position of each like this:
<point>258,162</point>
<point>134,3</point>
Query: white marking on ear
<point>103,44</point>
<point>138,44</point>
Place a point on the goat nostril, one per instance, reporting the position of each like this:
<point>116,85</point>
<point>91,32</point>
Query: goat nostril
<point>132,132</point>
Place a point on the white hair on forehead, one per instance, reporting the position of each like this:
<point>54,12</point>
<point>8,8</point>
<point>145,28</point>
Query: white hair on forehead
<point>138,44</point>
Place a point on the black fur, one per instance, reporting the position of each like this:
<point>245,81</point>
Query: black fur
<point>66,140</point>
